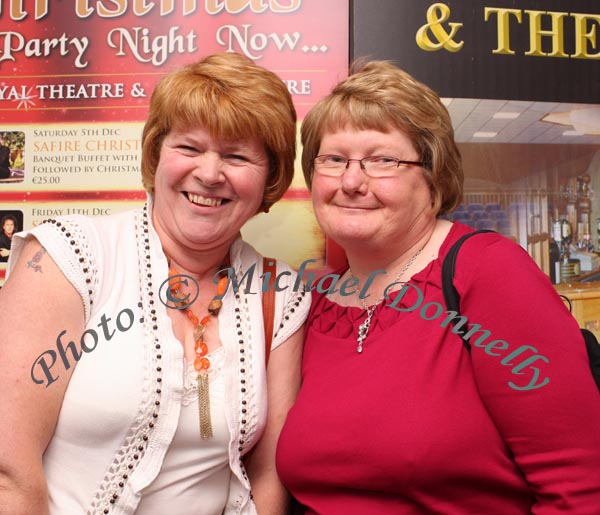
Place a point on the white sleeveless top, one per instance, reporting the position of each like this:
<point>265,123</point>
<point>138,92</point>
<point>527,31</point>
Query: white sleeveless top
<point>122,436</point>
<point>194,477</point>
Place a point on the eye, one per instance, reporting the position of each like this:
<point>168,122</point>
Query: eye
<point>235,159</point>
<point>187,149</point>
<point>333,160</point>
<point>383,161</point>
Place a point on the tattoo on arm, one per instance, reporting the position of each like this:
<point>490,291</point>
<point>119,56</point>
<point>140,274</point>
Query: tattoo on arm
<point>35,260</point>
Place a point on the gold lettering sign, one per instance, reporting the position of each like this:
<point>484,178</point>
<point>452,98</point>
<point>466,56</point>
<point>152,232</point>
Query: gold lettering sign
<point>585,33</point>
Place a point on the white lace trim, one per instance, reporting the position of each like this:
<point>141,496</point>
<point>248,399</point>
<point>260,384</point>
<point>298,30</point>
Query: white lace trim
<point>248,381</point>
<point>134,446</point>
<point>215,372</point>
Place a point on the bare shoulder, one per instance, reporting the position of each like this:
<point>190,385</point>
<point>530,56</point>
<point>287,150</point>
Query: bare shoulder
<point>37,287</point>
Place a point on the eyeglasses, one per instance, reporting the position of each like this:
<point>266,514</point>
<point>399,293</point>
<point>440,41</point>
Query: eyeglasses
<point>374,166</point>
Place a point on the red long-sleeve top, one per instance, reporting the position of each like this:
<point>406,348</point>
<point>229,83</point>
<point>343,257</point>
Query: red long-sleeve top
<point>416,425</point>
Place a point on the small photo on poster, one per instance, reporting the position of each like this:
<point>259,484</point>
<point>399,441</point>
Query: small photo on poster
<point>11,222</point>
<point>12,160</point>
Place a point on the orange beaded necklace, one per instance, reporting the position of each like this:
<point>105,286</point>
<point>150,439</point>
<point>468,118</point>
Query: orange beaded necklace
<point>201,361</point>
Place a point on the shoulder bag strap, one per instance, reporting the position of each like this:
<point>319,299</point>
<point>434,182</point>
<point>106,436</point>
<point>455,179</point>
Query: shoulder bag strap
<point>451,297</point>
<point>268,304</point>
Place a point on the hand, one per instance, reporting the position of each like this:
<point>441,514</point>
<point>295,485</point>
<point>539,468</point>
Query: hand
<point>4,252</point>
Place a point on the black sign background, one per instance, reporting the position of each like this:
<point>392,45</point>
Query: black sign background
<point>386,29</point>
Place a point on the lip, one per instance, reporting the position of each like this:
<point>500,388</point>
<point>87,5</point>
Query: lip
<point>355,208</point>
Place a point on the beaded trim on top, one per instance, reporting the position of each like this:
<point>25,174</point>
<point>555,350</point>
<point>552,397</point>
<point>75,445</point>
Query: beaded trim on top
<point>78,242</point>
<point>290,308</point>
<point>135,444</point>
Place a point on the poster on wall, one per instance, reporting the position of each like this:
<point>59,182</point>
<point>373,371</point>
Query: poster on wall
<point>76,78</point>
<point>521,81</point>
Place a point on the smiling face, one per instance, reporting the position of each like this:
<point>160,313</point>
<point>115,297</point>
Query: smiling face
<point>357,209</point>
<point>206,189</point>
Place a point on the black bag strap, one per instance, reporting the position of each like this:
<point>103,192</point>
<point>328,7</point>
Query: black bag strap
<point>591,345</point>
<point>451,297</point>
<point>452,300</point>
<point>593,350</point>
<point>568,301</point>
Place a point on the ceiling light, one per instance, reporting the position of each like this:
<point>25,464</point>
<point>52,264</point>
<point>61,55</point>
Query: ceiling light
<point>573,133</point>
<point>585,121</point>
<point>506,115</point>
<point>483,134</point>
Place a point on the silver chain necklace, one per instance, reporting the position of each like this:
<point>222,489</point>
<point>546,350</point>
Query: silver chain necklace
<point>363,329</point>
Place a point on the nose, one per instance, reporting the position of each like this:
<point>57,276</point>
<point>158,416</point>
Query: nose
<point>354,179</point>
<point>209,168</point>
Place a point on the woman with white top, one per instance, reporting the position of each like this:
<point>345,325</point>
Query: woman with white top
<point>133,374</point>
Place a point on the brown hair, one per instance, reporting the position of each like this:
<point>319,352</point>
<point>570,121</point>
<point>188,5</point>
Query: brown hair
<point>232,98</point>
<point>7,218</point>
<point>379,96</point>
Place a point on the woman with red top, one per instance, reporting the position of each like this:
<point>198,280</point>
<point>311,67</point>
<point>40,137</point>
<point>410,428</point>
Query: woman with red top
<point>394,415</point>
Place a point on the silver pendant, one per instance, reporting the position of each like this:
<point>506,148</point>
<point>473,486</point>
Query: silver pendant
<point>363,331</point>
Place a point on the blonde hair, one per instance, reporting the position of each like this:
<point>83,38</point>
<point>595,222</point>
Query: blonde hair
<point>233,98</point>
<point>380,96</point>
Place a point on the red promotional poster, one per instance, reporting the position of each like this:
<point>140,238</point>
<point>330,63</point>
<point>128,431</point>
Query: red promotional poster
<point>76,79</point>
<point>80,61</point>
